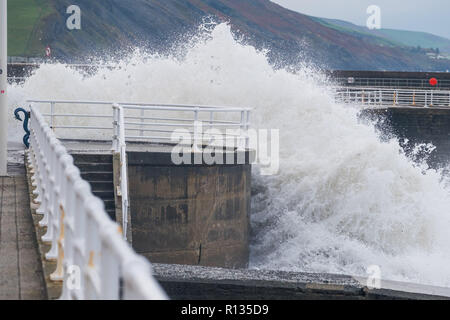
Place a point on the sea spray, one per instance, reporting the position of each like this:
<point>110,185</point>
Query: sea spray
<point>342,201</point>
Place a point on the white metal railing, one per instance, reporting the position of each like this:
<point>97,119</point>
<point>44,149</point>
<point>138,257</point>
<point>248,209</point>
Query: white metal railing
<point>92,258</point>
<point>119,146</point>
<point>393,97</point>
<point>390,82</point>
<point>159,127</point>
<point>147,122</point>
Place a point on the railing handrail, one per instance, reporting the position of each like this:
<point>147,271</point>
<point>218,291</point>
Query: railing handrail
<point>130,105</point>
<point>243,123</point>
<point>391,82</point>
<point>79,230</point>
<point>361,88</point>
<point>393,97</point>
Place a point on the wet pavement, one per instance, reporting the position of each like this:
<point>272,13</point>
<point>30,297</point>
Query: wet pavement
<point>21,276</point>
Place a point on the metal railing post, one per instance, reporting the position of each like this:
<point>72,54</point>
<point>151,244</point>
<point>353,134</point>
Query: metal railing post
<point>123,172</point>
<point>115,143</point>
<point>197,145</point>
<point>243,127</point>
<point>52,117</point>
<point>119,147</point>
<point>211,118</point>
<point>247,137</point>
<point>142,121</point>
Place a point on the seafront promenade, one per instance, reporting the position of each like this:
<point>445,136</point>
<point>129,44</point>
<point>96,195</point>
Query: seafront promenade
<point>21,275</point>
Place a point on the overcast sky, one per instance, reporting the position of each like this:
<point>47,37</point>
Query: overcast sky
<point>416,15</point>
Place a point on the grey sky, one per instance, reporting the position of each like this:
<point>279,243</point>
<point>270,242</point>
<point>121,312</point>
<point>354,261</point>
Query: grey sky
<point>416,15</point>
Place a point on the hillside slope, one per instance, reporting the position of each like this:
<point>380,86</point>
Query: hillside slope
<point>112,25</point>
<point>24,19</point>
<point>398,37</point>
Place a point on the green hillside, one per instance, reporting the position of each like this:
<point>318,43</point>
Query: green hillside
<point>24,21</point>
<point>354,30</point>
<point>414,39</point>
<point>394,37</point>
<point>112,27</point>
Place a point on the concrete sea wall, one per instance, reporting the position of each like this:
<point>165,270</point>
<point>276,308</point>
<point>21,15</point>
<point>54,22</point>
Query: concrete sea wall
<point>203,283</point>
<point>417,125</point>
<point>189,214</point>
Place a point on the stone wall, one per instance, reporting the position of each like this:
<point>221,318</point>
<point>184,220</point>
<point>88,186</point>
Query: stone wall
<point>189,214</point>
<point>418,125</point>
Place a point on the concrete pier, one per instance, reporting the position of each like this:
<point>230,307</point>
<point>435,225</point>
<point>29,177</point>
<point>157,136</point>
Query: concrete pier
<point>21,276</point>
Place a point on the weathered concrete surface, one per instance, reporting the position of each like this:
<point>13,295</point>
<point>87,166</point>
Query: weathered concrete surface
<point>417,125</point>
<point>21,275</point>
<point>189,214</point>
<point>202,283</point>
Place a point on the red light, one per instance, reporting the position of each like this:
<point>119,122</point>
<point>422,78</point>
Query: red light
<point>433,81</point>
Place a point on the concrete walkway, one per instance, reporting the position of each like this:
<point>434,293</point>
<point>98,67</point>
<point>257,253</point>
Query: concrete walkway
<point>21,276</point>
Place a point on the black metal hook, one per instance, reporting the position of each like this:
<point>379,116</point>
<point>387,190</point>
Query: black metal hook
<point>27,115</point>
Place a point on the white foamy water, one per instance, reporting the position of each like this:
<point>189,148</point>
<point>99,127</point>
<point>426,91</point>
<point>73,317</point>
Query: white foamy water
<point>342,200</point>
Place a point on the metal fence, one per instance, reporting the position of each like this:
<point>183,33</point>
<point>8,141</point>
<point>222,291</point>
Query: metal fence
<point>146,122</point>
<point>93,260</point>
<point>391,82</point>
<point>152,122</point>
<point>25,60</point>
<point>393,97</point>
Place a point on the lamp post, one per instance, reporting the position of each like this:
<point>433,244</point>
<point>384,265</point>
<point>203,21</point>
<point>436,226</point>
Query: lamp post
<point>3,87</point>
